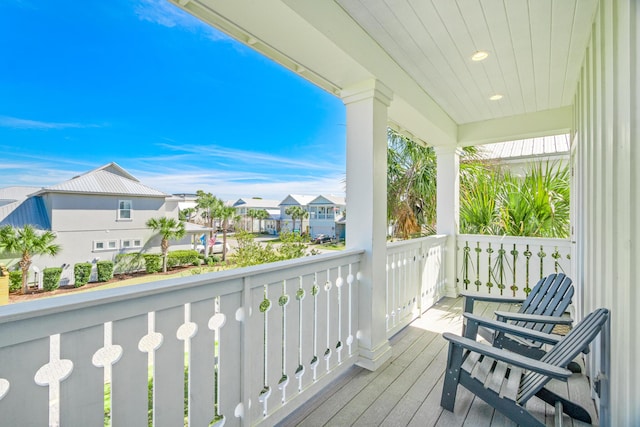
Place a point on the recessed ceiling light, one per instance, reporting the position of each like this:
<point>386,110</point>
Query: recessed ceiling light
<point>495,97</point>
<point>480,55</point>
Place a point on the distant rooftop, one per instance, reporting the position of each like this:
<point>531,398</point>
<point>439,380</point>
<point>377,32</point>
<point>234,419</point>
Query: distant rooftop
<point>556,145</point>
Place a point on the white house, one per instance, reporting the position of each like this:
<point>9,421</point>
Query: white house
<point>324,211</point>
<point>269,225</point>
<point>95,216</point>
<point>286,223</point>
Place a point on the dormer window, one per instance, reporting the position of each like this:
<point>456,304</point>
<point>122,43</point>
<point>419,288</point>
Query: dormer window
<point>124,209</point>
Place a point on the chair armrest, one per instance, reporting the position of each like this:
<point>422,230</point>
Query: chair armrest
<point>471,297</point>
<point>509,357</point>
<point>474,321</point>
<point>533,318</point>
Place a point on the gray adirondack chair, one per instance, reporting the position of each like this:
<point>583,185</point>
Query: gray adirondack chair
<point>540,311</point>
<point>507,380</point>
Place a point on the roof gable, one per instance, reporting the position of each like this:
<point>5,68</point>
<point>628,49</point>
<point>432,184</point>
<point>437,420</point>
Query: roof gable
<point>296,199</point>
<point>108,179</point>
<point>328,200</point>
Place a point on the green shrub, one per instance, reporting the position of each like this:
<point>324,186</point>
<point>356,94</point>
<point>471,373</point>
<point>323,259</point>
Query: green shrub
<point>129,263</point>
<point>105,270</point>
<point>183,257</point>
<point>15,281</point>
<point>212,260</point>
<point>51,278</point>
<point>81,273</point>
<point>152,263</point>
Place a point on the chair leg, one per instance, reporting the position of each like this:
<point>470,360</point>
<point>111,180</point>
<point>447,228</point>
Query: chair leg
<point>572,409</point>
<point>451,377</point>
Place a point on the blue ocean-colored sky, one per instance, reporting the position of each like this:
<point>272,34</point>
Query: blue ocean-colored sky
<point>178,104</point>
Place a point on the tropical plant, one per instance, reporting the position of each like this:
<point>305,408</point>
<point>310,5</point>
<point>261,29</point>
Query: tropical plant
<point>226,214</point>
<point>169,229</point>
<point>51,278</point>
<point>27,242</point>
<point>105,270</point>
<point>252,214</point>
<point>411,186</point>
<point>261,214</point>
<point>296,212</point>
<point>81,274</point>
<point>209,204</point>
<point>186,214</point>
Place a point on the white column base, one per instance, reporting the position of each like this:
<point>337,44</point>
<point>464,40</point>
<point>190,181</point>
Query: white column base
<point>372,360</point>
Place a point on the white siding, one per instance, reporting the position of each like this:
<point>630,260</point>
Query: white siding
<point>607,213</point>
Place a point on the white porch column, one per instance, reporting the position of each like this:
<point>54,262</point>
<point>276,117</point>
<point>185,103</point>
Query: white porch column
<point>448,209</point>
<point>367,105</point>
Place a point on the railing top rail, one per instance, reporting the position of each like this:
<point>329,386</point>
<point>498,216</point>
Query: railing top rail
<point>435,239</point>
<point>543,241</point>
<point>29,320</point>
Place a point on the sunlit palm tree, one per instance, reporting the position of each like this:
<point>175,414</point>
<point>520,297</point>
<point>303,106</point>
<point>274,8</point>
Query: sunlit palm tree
<point>27,242</point>
<point>226,214</point>
<point>261,214</point>
<point>209,204</point>
<point>169,229</point>
<point>296,212</point>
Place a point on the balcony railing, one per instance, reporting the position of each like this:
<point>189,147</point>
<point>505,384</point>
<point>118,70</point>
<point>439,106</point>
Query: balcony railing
<point>506,265</point>
<point>252,343</point>
<point>415,279</point>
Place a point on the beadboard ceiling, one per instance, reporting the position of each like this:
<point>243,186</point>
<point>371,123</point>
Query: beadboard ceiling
<point>536,48</point>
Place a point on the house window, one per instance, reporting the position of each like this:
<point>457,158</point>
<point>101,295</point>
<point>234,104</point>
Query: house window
<point>105,245</point>
<point>131,243</point>
<point>124,209</point>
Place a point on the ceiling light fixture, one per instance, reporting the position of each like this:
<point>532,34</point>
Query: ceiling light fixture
<point>480,55</point>
<point>495,97</point>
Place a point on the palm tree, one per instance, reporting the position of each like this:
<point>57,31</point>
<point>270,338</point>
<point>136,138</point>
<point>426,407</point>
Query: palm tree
<point>169,229</point>
<point>296,212</point>
<point>252,213</point>
<point>209,204</point>
<point>226,213</point>
<point>185,214</point>
<point>411,185</point>
<point>27,242</point>
<point>261,214</point>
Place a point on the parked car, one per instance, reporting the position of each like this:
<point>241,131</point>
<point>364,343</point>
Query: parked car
<point>321,238</point>
<point>217,248</point>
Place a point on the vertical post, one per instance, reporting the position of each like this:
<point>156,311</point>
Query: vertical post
<point>4,285</point>
<point>366,105</point>
<point>448,209</point>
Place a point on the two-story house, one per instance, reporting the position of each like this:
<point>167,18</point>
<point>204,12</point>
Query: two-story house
<point>324,211</point>
<point>95,216</point>
<point>286,222</point>
<point>270,224</point>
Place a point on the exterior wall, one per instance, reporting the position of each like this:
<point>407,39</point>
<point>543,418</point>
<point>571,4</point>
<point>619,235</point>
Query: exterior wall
<point>81,220</point>
<point>607,216</point>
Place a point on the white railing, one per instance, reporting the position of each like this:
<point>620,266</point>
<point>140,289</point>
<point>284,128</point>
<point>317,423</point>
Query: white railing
<point>415,279</point>
<point>506,265</point>
<point>239,347</point>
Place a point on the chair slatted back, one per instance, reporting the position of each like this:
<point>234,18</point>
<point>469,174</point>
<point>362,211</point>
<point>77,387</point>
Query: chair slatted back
<point>564,352</point>
<point>549,297</point>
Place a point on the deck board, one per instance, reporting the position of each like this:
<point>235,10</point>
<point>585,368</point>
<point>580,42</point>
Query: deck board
<point>406,390</point>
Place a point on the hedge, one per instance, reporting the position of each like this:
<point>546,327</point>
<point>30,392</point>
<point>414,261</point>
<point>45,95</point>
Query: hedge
<point>128,263</point>
<point>81,273</point>
<point>152,262</point>
<point>51,278</point>
<point>105,270</point>
<point>15,281</point>
<point>183,257</point>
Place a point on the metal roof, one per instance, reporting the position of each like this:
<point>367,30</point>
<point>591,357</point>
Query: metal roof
<point>256,203</point>
<point>108,179</point>
<point>532,147</point>
<point>28,211</point>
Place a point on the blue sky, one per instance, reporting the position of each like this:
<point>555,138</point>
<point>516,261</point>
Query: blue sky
<point>176,103</point>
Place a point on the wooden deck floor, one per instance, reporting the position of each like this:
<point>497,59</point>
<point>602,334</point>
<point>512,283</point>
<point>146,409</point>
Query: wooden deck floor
<point>406,390</point>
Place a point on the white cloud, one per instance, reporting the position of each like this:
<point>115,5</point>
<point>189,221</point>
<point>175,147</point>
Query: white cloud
<point>17,123</point>
<point>163,13</point>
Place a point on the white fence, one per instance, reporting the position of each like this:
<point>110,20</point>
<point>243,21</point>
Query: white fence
<point>237,347</point>
<point>506,265</point>
<point>415,279</point>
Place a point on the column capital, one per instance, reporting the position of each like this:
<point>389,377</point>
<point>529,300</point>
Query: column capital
<point>367,89</point>
<point>443,150</point>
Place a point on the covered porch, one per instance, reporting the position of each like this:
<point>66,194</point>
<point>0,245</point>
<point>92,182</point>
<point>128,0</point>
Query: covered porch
<point>252,346</point>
